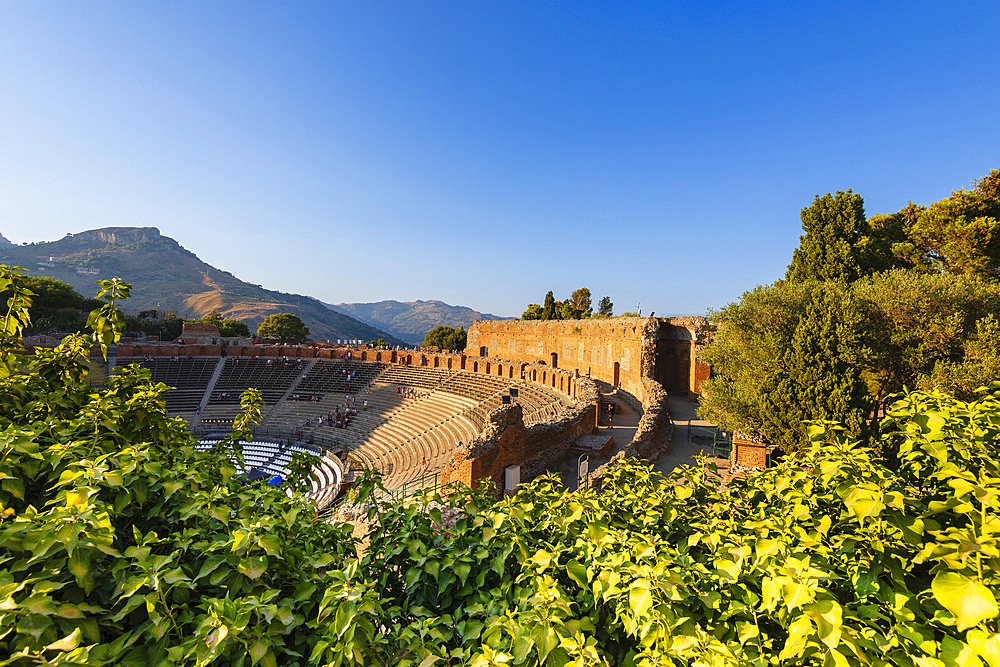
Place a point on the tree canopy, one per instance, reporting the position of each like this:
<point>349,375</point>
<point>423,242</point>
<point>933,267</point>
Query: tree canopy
<point>577,306</point>
<point>228,327</point>
<point>833,246</point>
<point>283,326</point>
<point>446,338</point>
<point>899,329</point>
<point>605,307</point>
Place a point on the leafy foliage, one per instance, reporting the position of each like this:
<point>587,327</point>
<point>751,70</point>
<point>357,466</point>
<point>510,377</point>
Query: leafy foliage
<point>283,326</point>
<point>446,338</point>
<point>815,381</point>
<point>897,329</point>
<point>532,312</point>
<point>961,234</point>
<point>605,307</point>
<point>832,247</point>
<point>576,307</point>
<point>228,327</point>
<point>829,559</point>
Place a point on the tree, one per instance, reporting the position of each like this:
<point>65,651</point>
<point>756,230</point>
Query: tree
<point>581,301</point>
<point>533,312</point>
<point>899,329</point>
<point>567,312</point>
<point>961,234</point>
<point>834,246</point>
<point>55,305</point>
<point>549,311</point>
<point>446,338</point>
<point>228,327</point>
<point>605,308</point>
<point>232,328</point>
<point>815,381</point>
<point>283,326</point>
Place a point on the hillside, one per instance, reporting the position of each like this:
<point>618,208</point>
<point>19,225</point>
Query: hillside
<point>411,320</point>
<point>165,274</point>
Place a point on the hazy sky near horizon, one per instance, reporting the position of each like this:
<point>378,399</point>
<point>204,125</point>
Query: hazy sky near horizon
<point>484,153</point>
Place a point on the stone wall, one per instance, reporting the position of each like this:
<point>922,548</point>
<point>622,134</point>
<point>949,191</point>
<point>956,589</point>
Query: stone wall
<point>654,434</point>
<point>620,351</point>
<point>505,441</point>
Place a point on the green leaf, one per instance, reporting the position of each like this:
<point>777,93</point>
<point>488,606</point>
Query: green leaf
<point>969,601</point>
<point>257,651</point>
<point>14,487</point>
<point>271,544</point>
<point>67,643</point>
<point>864,502</point>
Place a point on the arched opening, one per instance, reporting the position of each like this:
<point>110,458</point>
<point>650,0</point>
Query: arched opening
<point>617,369</point>
<point>475,366</point>
<point>553,380</point>
<point>534,375</point>
<point>423,360</point>
<point>555,360</point>
<point>545,376</point>
<point>500,370</point>
<point>487,368</point>
<point>484,351</point>
<point>378,356</point>
<point>437,361</point>
<point>449,363</point>
<point>511,372</point>
<point>409,359</point>
<point>561,379</point>
<point>364,356</point>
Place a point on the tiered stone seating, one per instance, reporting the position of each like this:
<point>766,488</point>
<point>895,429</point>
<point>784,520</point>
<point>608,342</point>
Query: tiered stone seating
<point>418,437</point>
<point>189,378</point>
<point>415,376</point>
<point>273,459</point>
<point>273,380</point>
<point>405,437</point>
<point>334,377</point>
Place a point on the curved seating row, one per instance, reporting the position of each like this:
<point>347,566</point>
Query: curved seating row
<point>273,458</point>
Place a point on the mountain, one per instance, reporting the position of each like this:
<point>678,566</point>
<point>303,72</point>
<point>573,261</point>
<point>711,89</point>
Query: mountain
<point>165,275</point>
<point>411,320</point>
<point>4,243</point>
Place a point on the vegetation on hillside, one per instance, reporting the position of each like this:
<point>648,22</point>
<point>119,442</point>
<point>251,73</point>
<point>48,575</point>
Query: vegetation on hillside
<point>166,275</point>
<point>122,545</point>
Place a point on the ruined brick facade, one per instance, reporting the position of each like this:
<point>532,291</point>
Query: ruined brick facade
<point>620,351</point>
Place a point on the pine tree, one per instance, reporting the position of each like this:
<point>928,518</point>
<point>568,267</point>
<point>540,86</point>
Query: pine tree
<point>834,246</point>
<point>815,381</point>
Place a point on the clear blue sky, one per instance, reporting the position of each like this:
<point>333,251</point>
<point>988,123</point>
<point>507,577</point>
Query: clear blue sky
<point>484,153</point>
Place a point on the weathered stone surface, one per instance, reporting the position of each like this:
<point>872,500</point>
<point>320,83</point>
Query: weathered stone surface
<point>620,350</point>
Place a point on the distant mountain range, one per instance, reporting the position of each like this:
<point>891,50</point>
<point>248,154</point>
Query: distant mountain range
<point>165,275</point>
<point>411,320</point>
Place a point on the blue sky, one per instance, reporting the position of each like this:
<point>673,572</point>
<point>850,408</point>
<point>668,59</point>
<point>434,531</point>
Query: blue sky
<point>484,153</point>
